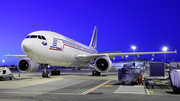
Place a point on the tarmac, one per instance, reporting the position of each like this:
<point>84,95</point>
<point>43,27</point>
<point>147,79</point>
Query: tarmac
<point>79,85</point>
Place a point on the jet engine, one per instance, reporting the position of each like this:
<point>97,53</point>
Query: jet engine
<point>103,64</point>
<point>27,65</point>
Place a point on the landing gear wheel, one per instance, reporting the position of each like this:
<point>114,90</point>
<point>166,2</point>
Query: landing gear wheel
<point>98,73</point>
<point>52,73</point>
<point>95,73</point>
<point>59,72</point>
<point>46,75</point>
<point>55,72</point>
<point>43,74</point>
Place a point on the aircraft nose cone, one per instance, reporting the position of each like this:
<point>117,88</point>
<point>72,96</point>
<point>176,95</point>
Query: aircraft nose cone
<point>27,46</point>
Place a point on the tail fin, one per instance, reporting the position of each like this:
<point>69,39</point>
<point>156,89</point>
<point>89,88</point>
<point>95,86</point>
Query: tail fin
<point>93,43</point>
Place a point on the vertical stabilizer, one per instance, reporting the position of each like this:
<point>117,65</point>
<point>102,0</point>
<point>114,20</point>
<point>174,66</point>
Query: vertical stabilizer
<point>93,43</point>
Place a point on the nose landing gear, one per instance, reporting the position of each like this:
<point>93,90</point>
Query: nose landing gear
<point>46,73</point>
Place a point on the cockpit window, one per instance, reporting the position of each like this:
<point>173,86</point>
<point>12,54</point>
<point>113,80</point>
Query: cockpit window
<point>43,37</point>
<point>36,36</point>
<point>28,36</point>
<point>33,36</point>
<point>39,37</point>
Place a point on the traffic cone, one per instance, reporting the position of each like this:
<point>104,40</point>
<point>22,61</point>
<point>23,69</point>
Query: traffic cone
<point>100,74</point>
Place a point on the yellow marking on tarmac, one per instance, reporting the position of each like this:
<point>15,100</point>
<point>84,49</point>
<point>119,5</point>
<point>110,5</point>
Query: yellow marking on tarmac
<point>108,86</point>
<point>90,90</point>
<point>150,91</point>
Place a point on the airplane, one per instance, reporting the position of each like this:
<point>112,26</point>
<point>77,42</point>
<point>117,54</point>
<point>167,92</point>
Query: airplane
<point>49,48</point>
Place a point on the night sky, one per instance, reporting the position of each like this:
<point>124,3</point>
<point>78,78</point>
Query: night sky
<point>147,24</point>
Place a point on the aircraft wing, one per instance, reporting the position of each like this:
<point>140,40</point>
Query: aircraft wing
<point>90,57</point>
<point>18,56</point>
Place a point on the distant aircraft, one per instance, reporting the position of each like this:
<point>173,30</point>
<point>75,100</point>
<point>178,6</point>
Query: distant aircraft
<point>50,48</point>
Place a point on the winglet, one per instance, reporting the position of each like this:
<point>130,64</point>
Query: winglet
<point>93,43</point>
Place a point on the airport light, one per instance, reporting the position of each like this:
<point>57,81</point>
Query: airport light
<point>114,59</point>
<point>134,48</point>
<point>126,57</point>
<point>3,62</point>
<point>152,59</point>
<point>164,49</point>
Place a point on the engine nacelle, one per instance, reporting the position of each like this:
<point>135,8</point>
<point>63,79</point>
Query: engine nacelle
<point>103,64</point>
<point>27,65</point>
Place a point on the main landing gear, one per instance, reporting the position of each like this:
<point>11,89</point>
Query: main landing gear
<point>55,71</point>
<point>46,72</point>
<point>96,73</point>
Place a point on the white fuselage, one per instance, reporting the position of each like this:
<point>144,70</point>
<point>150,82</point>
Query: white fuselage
<point>51,48</point>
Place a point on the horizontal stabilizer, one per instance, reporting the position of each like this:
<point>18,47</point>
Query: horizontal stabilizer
<point>18,56</point>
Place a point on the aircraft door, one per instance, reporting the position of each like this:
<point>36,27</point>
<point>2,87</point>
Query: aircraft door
<point>60,45</point>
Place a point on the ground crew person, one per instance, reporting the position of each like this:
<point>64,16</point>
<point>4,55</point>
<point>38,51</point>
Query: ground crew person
<point>140,80</point>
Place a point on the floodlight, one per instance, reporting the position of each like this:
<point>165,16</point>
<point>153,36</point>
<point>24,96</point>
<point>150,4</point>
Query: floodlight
<point>3,61</point>
<point>133,47</point>
<point>165,49</point>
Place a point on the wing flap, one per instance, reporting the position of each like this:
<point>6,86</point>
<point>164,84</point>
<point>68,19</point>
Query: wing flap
<point>88,57</point>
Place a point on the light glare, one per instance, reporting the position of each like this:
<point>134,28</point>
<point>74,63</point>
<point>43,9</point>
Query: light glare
<point>133,47</point>
<point>3,61</point>
<point>165,49</point>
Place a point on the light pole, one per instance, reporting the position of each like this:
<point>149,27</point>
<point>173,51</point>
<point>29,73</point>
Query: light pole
<point>134,48</point>
<point>164,49</point>
<point>126,57</point>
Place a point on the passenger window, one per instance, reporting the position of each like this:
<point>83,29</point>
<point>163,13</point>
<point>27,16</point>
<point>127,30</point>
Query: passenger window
<point>28,36</point>
<point>43,37</point>
<point>33,36</point>
<point>39,37</point>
